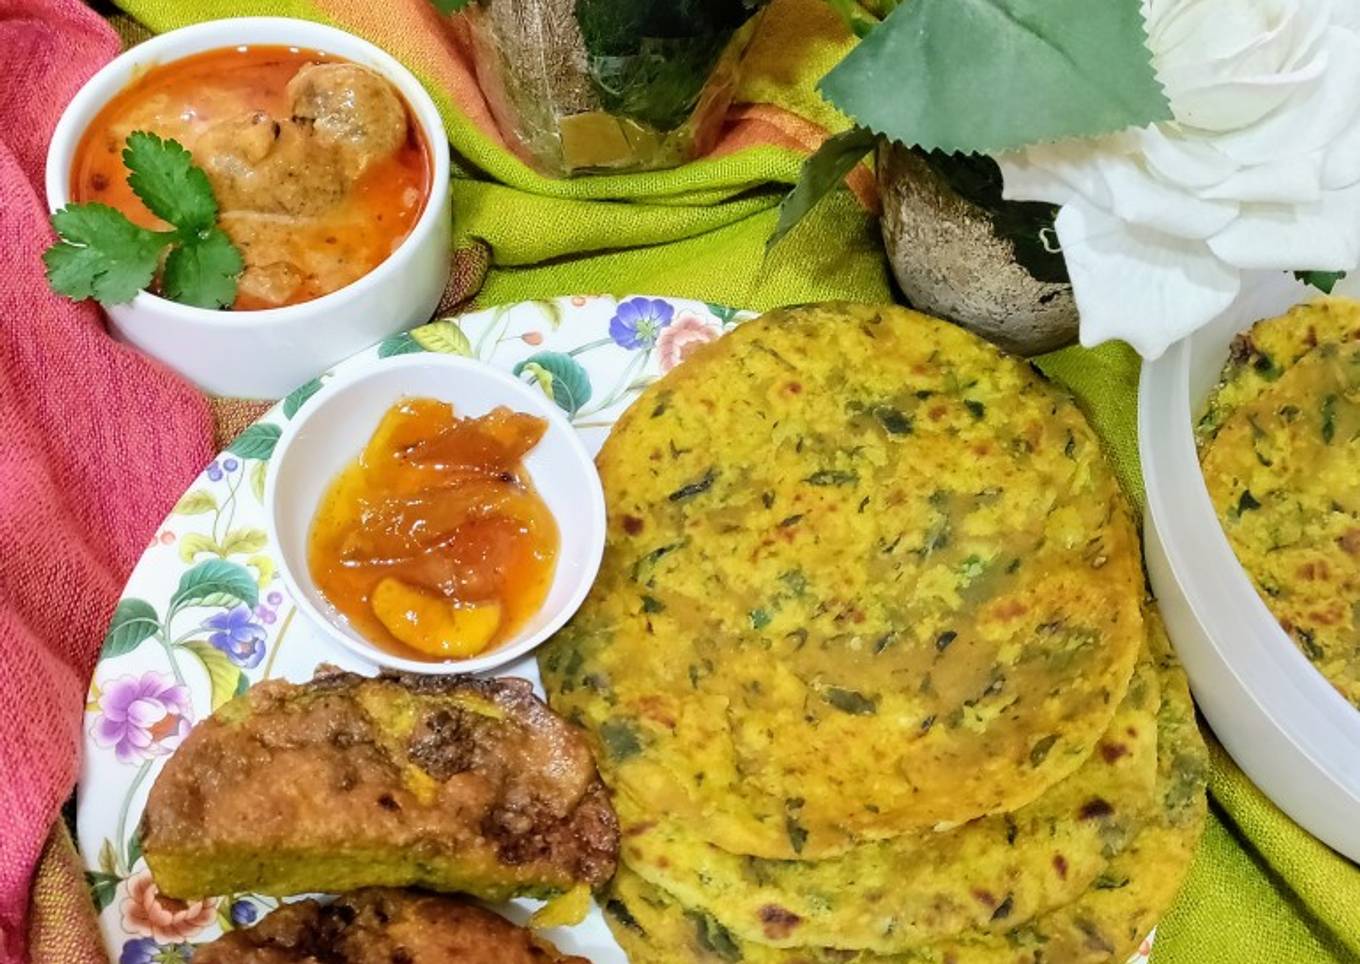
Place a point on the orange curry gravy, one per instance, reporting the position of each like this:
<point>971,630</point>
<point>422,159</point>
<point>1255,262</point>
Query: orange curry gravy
<point>322,249</point>
<point>434,543</point>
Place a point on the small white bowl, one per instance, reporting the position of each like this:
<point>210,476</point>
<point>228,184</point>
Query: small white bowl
<point>1283,723</point>
<point>267,353</point>
<point>330,431</point>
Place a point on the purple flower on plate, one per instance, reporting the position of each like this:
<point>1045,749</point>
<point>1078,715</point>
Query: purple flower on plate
<point>637,322</point>
<point>237,635</point>
<point>142,716</point>
<point>145,950</point>
<point>244,913</point>
<point>214,471</point>
<point>274,598</point>
<point>230,465</point>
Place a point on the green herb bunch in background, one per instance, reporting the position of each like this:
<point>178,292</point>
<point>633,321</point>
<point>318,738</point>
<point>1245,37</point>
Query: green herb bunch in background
<point>606,84</point>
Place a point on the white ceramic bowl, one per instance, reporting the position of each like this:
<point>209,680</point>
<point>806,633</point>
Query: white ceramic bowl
<point>267,353</point>
<point>336,423</point>
<point>1283,723</point>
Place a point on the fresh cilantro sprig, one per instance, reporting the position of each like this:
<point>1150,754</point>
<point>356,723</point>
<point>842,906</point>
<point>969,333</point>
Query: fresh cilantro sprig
<point>103,255</point>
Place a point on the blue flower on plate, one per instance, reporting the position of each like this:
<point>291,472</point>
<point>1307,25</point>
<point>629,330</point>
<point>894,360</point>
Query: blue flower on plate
<point>237,635</point>
<point>638,322</point>
<point>243,913</point>
<point>145,950</point>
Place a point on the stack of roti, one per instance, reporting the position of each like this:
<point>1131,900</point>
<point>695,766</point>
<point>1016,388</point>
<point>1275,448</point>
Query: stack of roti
<point>867,667</point>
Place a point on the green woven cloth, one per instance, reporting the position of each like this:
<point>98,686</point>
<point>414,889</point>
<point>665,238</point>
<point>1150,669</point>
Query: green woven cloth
<point>1261,889</point>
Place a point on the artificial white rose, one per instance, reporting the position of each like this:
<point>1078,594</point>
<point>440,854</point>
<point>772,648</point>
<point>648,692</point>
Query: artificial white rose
<point>1260,170</point>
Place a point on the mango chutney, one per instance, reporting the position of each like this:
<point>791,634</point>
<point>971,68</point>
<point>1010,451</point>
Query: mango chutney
<point>433,543</point>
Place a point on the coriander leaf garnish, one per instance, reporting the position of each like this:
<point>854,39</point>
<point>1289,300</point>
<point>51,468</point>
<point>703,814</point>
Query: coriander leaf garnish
<point>103,255</point>
<point>203,274</point>
<point>163,175</point>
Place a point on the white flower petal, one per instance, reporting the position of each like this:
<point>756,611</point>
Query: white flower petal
<point>1320,237</point>
<point>1290,180</point>
<point>1146,288</point>
<point>1022,180</point>
<point>1342,167</point>
<point>1271,54</point>
<point>1313,117</point>
<point>1143,199</point>
<point>1192,161</point>
<point>1070,172</point>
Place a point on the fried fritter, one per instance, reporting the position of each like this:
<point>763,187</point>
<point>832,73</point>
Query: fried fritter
<point>450,783</point>
<point>382,926</point>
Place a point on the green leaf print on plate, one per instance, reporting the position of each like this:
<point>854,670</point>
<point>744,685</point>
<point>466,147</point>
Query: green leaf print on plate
<point>560,376</point>
<point>256,442</point>
<point>444,336</point>
<point>297,396</point>
<point>216,582</point>
<point>134,621</point>
<point>224,674</point>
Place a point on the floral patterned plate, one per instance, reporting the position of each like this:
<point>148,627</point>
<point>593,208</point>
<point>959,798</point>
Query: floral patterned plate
<point>203,616</point>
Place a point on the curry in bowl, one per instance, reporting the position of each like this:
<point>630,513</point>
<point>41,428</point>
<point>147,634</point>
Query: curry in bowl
<point>318,167</point>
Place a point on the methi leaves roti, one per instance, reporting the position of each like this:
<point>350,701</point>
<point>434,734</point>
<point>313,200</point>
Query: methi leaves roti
<point>1104,925</point>
<point>987,875</point>
<point>1282,466</point>
<point>864,575</point>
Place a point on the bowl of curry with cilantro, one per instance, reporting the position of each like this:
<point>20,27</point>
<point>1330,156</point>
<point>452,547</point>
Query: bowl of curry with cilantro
<point>252,200</point>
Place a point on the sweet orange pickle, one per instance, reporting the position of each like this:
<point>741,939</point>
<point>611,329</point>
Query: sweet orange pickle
<point>433,543</point>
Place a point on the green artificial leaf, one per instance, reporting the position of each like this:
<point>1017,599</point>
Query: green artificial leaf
<point>297,396</point>
<point>103,888</point>
<point>987,76</point>
<point>1027,225</point>
<point>216,582</point>
<point>1323,281</point>
<point>443,335</point>
<point>202,271</point>
<point>134,621</point>
<point>256,442</point>
<point>101,254</point>
<point>222,672</point>
<point>163,176</point>
<point>195,502</point>
<point>402,344</point>
<point>561,377</point>
<point>820,175</point>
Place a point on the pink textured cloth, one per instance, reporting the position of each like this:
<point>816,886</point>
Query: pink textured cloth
<point>96,442</point>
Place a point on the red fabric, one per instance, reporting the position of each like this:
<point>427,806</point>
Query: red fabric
<point>96,442</point>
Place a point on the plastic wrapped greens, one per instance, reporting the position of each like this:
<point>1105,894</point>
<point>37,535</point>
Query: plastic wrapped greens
<point>590,85</point>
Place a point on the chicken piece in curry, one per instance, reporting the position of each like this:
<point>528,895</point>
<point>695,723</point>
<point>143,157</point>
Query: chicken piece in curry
<point>319,170</point>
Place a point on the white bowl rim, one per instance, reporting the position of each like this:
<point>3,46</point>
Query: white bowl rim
<point>1165,437</point>
<point>96,92</point>
<point>593,492</point>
